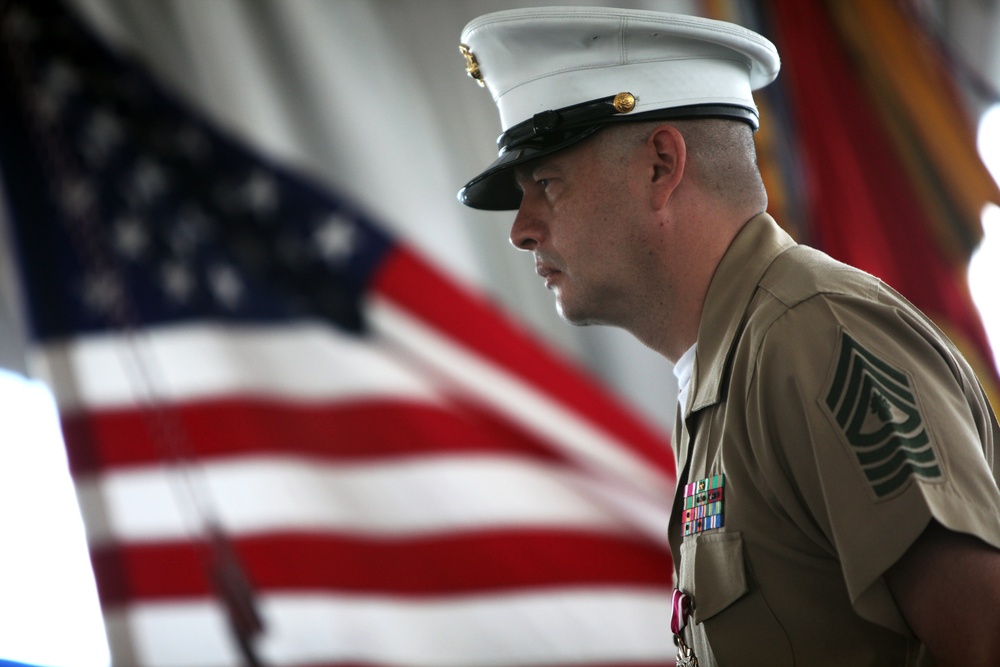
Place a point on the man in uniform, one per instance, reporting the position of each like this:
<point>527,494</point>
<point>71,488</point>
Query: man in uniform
<point>837,499</point>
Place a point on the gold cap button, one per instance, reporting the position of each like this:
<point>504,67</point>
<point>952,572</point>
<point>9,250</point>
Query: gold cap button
<point>624,102</point>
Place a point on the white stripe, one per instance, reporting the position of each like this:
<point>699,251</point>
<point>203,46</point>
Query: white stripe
<point>560,626</point>
<point>398,497</point>
<point>303,361</point>
<point>313,361</point>
<point>598,451</point>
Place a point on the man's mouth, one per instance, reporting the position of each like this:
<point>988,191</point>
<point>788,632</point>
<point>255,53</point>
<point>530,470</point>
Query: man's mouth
<point>547,272</point>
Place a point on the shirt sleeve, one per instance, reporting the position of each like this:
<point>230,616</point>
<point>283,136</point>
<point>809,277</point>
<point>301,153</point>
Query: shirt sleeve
<point>879,426</point>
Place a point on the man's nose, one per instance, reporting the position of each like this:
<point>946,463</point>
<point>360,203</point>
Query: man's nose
<point>527,230</point>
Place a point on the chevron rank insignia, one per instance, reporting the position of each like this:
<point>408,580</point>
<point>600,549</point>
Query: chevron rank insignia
<point>703,504</point>
<point>874,405</point>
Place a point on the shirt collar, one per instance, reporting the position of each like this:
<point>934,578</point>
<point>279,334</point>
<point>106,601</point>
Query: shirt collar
<point>757,245</point>
<point>683,370</point>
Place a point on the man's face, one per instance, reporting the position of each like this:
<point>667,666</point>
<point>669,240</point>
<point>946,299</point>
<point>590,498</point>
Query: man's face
<point>580,217</point>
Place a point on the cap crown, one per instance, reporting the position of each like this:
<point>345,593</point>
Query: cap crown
<point>533,60</point>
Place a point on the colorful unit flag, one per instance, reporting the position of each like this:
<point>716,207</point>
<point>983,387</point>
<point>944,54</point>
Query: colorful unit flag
<point>294,441</point>
<point>875,161</point>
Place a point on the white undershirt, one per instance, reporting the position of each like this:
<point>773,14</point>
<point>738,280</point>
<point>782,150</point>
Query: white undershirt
<point>683,370</point>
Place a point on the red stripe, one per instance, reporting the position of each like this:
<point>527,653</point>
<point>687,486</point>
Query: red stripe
<point>344,431</point>
<point>428,566</point>
<point>468,319</point>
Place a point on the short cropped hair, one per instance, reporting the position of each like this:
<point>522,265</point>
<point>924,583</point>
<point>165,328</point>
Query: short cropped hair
<point>721,155</point>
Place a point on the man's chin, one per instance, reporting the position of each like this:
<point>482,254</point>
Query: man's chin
<point>575,317</point>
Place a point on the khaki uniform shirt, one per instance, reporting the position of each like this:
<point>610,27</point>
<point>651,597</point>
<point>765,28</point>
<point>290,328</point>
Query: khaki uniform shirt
<point>827,423</point>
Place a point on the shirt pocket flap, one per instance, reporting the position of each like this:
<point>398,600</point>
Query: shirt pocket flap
<point>719,573</point>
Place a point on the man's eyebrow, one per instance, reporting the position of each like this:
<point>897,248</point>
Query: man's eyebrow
<point>527,170</point>
<point>523,172</point>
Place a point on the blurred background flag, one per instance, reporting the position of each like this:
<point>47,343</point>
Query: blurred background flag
<point>294,441</point>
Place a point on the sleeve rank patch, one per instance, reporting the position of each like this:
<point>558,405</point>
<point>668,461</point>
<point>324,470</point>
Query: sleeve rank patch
<point>875,407</point>
<point>703,504</point>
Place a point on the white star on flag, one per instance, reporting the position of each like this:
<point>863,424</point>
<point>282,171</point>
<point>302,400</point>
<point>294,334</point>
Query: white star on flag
<point>177,281</point>
<point>226,284</point>
<point>336,237</point>
<point>130,237</point>
<point>261,192</point>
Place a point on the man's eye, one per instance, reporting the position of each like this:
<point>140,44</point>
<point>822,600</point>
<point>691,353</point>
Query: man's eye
<point>543,182</point>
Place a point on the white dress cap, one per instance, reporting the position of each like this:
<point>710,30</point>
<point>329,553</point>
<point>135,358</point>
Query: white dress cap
<point>559,74</point>
<point>537,59</point>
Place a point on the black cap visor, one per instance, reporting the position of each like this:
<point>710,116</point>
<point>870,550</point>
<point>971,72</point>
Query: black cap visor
<point>495,189</point>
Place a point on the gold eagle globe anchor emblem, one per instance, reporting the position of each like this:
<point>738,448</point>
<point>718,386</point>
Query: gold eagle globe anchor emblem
<point>472,65</point>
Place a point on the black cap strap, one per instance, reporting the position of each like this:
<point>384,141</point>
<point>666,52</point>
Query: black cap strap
<point>551,127</point>
<point>546,126</point>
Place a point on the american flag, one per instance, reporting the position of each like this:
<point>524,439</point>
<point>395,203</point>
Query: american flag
<point>294,440</point>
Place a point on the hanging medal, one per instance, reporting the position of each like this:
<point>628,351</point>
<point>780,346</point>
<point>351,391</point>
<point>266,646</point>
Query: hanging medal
<point>680,610</point>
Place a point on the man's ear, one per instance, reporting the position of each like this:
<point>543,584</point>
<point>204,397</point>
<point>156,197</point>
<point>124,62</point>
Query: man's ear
<point>669,152</point>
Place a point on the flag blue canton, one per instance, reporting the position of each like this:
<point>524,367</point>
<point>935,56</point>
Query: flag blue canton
<point>154,214</point>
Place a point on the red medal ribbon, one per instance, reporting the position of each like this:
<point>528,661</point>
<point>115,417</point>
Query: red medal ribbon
<point>680,609</point>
